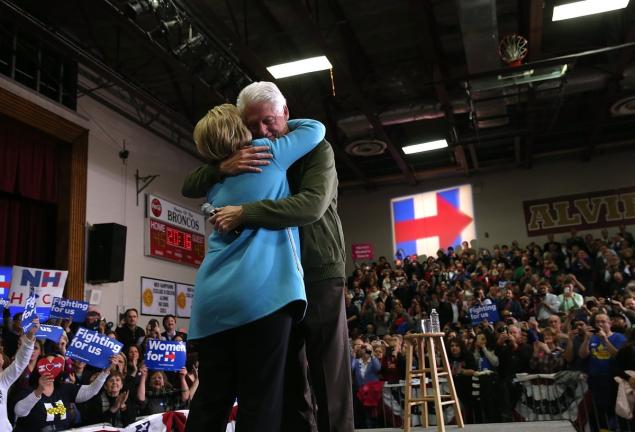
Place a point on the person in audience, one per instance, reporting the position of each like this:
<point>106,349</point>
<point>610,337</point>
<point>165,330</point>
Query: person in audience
<point>547,357</point>
<point>111,405</point>
<point>12,372</point>
<point>545,303</point>
<point>47,404</point>
<point>600,345</point>
<point>514,354</point>
<point>169,324</point>
<point>156,395</point>
<point>130,333</point>
<point>508,303</point>
<point>11,334</point>
<point>400,321</point>
<point>486,392</point>
<point>365,367</point>
<point>463,365</point>
<point>625,361</point>
<point>569,299</point>
<point>242,310</point>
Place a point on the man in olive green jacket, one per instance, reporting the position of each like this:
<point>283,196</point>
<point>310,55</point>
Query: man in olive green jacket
<point>322,338</point>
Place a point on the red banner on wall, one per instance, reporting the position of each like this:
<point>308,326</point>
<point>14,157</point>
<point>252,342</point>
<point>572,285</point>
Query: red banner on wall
<point>362,251</point>
<point>582,211</point>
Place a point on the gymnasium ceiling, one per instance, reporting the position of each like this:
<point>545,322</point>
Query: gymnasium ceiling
<point>404,71</point>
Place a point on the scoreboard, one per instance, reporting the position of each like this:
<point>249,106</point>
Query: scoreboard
<point>174,233</point>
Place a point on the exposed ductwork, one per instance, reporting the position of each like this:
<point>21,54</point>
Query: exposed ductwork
<point>579,80</point>
<point>358,126</point>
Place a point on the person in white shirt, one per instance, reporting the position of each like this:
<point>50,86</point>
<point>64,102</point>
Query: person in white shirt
<point>545,303</point>
<point>14,370</point>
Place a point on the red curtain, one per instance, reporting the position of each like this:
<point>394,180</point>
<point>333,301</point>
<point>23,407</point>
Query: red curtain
<point>28,195</point>
<point>28,159</point>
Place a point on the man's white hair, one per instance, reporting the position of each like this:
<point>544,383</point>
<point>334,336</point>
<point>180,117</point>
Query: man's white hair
<point>261,91</point>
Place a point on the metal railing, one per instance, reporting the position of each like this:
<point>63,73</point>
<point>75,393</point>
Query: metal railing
<point>561,396</point>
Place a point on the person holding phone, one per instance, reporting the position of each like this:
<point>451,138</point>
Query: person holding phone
<point>600,347</point>
<point>569,299</point>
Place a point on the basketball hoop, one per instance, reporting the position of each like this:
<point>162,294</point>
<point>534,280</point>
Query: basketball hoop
<point>512,49</point>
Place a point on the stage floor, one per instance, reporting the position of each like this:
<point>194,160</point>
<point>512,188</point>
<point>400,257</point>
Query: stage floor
<point>551,426</point>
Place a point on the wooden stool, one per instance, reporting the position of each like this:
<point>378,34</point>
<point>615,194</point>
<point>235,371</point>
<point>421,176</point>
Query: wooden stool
<point>426,342</point>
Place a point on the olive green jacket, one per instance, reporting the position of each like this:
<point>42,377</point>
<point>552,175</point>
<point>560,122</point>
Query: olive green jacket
<point>313,208</point>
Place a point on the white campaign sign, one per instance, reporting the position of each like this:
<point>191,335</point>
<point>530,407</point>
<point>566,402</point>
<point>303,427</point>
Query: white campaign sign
<point>184,296</point>
<point>158,297</point>
<point>47,284</point>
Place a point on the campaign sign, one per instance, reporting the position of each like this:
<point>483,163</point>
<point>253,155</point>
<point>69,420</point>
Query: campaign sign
<point>4,303</point>
<point>46,283</point>
<point>29,313</point>
<point>50,332</point>
<point>165,355</point>
<point>74,310</point>
<point>93,348</point>
<point>484,312</point>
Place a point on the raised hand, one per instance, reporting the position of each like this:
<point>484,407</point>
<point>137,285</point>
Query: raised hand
<point>44,383</point>
<point>34,328</point>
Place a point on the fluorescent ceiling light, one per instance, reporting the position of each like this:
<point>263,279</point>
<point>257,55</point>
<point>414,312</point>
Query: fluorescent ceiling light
<point>424,147</point>
<point>586,7</point>
<point>299,67</point>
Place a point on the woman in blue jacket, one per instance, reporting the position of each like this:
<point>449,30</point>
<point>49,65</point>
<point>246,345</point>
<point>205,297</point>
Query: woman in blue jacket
<point>249,288</point>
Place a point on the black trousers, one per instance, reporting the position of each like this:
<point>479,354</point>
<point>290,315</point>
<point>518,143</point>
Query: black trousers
<point>319,352</point>
<point>246,362</point>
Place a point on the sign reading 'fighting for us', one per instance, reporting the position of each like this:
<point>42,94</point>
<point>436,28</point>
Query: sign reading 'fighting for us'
<point>582,211</point>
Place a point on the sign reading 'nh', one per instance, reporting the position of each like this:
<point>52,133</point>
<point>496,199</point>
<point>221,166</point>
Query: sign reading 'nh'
<point>581,211</point>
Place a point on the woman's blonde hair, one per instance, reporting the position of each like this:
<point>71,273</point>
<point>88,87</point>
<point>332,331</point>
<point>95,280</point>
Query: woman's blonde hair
<point>221,132</point>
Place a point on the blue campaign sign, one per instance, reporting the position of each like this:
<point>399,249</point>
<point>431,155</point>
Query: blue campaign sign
<point>484,312</point>
<point>50,332</point>
<point>42,313</point>
<point>63,308</point>
<point>93,348</point>
<point>165,355</point>
<point>4,303</point>
<point>29,313</point>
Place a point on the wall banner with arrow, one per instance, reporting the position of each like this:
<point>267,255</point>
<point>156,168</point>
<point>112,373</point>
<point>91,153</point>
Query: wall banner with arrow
<point>425,222</point>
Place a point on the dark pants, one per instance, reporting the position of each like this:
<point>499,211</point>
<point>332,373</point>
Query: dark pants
<point>322,339</point>
<point>246,362</point>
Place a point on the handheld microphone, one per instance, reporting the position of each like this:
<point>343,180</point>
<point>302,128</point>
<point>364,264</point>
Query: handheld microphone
<point>208,209</point>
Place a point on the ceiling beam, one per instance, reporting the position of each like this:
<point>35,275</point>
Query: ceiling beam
<point>535,18</point>
<point>430,47</point>
<point>365,105</point>
<point>530,117</point>
<point>332,129</point>
<point>68,47</point>
<point>474,156</point>
<point>210,24</point>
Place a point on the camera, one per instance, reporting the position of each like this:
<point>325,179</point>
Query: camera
<point>502,329</point>
<point>369,352</point>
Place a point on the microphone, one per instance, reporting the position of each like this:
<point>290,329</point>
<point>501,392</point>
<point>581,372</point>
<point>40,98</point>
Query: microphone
<point>208,209</point>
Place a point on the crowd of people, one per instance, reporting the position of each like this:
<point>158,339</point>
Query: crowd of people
<point>42,389</point>
<point>566,305</point>
<point>561,305</point>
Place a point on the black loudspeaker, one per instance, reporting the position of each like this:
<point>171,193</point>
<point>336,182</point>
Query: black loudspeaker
<point>106,253</point>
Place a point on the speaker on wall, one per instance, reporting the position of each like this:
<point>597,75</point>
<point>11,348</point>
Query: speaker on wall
<point>106,253</point>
